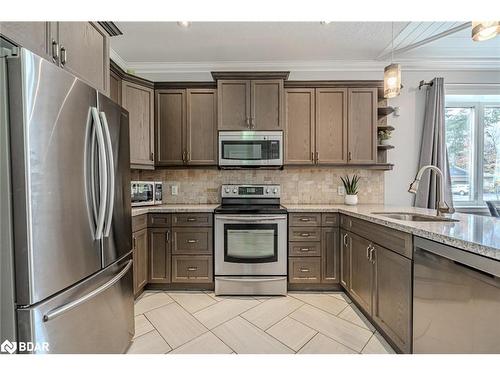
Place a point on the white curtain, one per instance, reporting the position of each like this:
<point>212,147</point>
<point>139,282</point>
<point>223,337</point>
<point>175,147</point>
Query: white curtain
<point>433,150</point>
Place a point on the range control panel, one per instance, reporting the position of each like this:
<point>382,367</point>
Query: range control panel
<point>250,191</point>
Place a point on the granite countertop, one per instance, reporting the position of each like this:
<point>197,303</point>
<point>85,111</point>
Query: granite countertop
<point>474,233</point>
<point>171,208</point>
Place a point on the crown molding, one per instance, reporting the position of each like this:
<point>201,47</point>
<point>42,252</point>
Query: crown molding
<point>113,55</point>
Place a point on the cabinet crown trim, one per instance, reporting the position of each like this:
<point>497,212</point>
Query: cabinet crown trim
<point>251,75</point>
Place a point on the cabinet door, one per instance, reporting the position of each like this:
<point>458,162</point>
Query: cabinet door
<point>35,36</point>
<point>345,259</point>
<point>330,255</point>
<point>299,126</point>
<point>331,126</point>
<point>115,87</point>
<point>140,254</point>
<point>362,126</point>
<point>267,104</point>
<point>160,255</point>
<point>170,127</point>
<point>392,303</point>
<point>361,273</point>
<point>233,104</point>
<point>201,132</point>
<point>85,52</point>
<point>138,101</point>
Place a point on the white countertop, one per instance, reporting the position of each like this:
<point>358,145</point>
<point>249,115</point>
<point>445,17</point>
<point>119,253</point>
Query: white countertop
<point>474,233</point>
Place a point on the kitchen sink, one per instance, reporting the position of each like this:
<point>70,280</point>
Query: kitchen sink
<point>408,216</point>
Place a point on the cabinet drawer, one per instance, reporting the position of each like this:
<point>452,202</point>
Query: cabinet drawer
<point>397,241</point>
<point>304,270</point>
<point>159,220</point>
<point>192,220</point>
<point>330,219</point>
<point>192,269</point>
<point>192,241</point>
<point>304,234</point>
<point>139,222</point>
<point>304,249</point>
<point>305,220</point>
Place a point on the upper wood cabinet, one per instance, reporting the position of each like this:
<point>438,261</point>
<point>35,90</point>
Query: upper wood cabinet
<point>362,125</point>
<point>138,100</point>
<point>115,87</point>
<point>250,104</point>
<point>186,127</point>
<point>299,126</point>
<point>82,48</point>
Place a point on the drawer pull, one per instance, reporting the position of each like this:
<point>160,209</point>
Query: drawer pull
<point>304,249</point>
<point>304,270</point>
<point>192,241</point>
<point>345,239</point>
<point>192,268</point>
<point>305,234</point>
<point>191,219</point>
<point>305,219</point>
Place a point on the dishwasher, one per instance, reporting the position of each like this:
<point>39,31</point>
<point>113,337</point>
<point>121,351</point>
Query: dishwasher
<point>456,300</point>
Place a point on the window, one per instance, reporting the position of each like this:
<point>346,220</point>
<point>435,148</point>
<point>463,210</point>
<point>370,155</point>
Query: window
<point>473,142</point>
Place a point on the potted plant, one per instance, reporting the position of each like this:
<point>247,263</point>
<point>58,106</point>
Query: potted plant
<point>351,189</point>
<point>384,136</point>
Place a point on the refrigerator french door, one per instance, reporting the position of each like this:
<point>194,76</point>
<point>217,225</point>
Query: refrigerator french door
<point>71,210</point>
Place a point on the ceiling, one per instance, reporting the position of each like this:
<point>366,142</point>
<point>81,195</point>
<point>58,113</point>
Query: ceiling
<point>156,49</point>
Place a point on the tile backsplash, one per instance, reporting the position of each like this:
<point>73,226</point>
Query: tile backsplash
<point>299,185</point>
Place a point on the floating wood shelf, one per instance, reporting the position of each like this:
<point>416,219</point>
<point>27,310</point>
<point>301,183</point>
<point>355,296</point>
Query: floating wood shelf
<point>385,127</point>
<point>385,111</point>
<point>384,147</point>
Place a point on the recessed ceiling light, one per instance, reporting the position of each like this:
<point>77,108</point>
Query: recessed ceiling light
<point>325,22</point>
<point>185,24</point>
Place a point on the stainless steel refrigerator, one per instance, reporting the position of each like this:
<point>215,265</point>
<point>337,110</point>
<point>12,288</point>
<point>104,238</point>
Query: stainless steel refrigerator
<point>70,182</point>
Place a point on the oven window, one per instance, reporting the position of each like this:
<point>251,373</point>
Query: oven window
<point>250,243</point>
<point>243,150</point>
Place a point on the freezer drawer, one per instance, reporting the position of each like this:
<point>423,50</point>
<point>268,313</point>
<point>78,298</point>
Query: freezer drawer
<point>456,302</point>
<point>95,316</point>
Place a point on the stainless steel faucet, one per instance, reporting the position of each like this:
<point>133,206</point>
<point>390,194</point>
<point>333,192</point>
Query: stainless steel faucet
<point>441,206</point>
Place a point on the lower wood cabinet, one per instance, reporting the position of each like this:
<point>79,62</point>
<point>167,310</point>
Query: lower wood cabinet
<point>192,240</point>
<point>140,258</point>
<point>345,259</point>
<point>160,255</point>
<point>192,269</point>
<point>361,271</point>
<point>305,270</point>
<point>330,255</point>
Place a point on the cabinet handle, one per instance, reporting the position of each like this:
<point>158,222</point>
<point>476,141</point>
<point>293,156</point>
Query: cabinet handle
<point>304,270</point>
<point>345,239</point>
<point>192,241</point>
<point>183,156</point>
<point>304,249</point>
<point>168,236</point>
<point>312,157</point>
<point>372,251</point>
<point>368,248</point>
<point>133,242</point>
<point>192,268</point>
<point>252,123</point>
<point>305,234</point>
<point>247,122</point>
<point>64,57</point>
<point>317,156</point>
<point>191,219</point>
<point>55,51</point>
<point>305,219</point>
<point>152,156</point>
<point>349,156</point>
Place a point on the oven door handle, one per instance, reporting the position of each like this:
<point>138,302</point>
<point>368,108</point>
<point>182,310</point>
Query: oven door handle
<point>243,279</point>
<point>247,219</point>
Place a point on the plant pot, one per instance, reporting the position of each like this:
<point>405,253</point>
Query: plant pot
<point>384,142</point>
<point>351,200</point>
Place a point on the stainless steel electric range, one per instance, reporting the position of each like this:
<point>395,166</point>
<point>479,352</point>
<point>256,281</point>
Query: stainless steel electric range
<point>250,241</point>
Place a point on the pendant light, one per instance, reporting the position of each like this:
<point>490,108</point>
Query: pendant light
<point>484,30</point>
<point>392,75</point>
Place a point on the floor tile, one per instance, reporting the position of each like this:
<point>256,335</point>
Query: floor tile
<point>338,329</point>
<point>321,344</point>
<point>244,338</point>
<point>322,301</point>
<point>207,343</point>
<point>271,311</point>
<point>223,311</point>
<point>212,295</point>
<point>291,333</point>
<point>175,324</point>
<point>151,301</point>
<point>377,345</point>
<point>352,314</point>
<point>142,325</point>
<point>192,301</point>
<point>342,296</point>
<point>149,343</point>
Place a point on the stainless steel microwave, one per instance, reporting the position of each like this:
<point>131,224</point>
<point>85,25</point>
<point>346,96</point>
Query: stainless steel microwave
<point>146,193</point>
<point>241,149</point>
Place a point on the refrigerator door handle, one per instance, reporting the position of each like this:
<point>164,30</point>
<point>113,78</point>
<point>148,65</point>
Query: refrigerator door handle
<point>103,175</point>
<point>111,173</point>
<point>54,313</point>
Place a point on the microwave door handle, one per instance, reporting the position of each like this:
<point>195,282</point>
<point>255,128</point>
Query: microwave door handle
<point>103,176</point>
<point>111,174</point>
<point>246,219</point>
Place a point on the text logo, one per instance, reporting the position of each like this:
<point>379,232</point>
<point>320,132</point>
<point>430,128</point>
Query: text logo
<point>8,347</point>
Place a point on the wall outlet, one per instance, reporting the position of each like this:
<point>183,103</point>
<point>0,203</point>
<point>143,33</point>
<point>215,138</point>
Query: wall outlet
<point>175,189</point>
<point>341,190</point>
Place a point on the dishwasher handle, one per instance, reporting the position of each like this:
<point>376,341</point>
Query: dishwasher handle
<point>472,261</point>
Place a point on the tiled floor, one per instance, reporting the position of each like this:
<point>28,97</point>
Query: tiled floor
<point>202,323</point>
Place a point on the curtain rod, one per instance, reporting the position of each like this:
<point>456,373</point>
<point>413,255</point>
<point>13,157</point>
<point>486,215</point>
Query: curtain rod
<point>423,83</point>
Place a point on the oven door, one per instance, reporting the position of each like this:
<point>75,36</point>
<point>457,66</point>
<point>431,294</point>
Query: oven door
<point>240,149</point>
<point>250,245</point>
